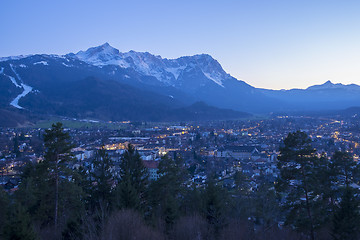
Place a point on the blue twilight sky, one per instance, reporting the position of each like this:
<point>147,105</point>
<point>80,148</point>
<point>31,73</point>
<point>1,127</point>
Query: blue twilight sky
<point>267,43</point>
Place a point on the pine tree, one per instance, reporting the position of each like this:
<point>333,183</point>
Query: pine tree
<point>19,226</point>
<point>346,217</point>
<point>193,203</point>
<point>27,194</point>
<point>133,180</point>
<point>57,154</point>
<point>129,196</point>
<point>214,211</point>
<point>298,183</point>
<point>168,191</point>
<point>344,170</point>
<point>266,205</point>
<point>242,183</point>
<point>101,178</point>
<point>35,193</point>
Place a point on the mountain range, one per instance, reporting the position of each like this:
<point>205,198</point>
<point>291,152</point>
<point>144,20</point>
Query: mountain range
<point>104,83</point>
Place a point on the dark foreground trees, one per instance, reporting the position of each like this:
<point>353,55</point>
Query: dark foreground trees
<point>48,198</point>
<point>346,217</point>
<point>57,154</point>
<point>315,190</point>
<point>106,199</point>
<point>130,192</point>
<point>167,193</point>
<point>298,182</point>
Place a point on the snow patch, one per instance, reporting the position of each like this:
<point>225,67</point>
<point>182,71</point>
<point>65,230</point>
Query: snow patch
<point>175,71</point>
<point>214,79</point>
<point>22,65</point>
<point>65,65</point>
<point>3,59</point>
<point>42,62</point>
<point>27,89</point>
<point>14,81</point>
<point>15,102</point>
<point>17,75</point>
<point>57,56</point>
<point>126,76</point>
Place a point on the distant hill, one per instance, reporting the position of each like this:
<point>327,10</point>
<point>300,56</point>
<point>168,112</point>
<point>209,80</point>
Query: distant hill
<point>327,96</point>
<point>349,112</point>
<point>200,111</point>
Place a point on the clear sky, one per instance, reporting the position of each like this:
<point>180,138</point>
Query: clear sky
<point>267,43</point>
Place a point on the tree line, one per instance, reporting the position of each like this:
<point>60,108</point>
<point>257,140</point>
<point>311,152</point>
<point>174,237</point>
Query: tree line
<point>314,197</point>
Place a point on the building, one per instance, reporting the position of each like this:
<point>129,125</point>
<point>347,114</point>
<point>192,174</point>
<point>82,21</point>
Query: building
<point>152,167</point>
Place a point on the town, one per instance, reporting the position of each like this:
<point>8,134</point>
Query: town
<point>225,148</point>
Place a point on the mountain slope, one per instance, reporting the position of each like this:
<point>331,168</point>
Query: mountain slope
<point>69,84</point>
<point>200,77</point>
<point>167,71</point>
<point>65,86</point>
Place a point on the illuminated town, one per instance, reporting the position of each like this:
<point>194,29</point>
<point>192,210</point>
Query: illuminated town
<point>250,146</point>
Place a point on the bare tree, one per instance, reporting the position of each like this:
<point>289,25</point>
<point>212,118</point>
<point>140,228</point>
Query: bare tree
<point>191,228</point>
<point>128,225</point>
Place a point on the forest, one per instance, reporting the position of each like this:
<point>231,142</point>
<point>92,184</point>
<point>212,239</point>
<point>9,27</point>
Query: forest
<point>315,197</point>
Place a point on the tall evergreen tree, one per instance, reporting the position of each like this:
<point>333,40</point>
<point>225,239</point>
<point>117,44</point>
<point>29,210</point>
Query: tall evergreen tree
<point>35,193</point>
<point>346,217</point>
<point>101,178</point>
<point>193,203</point>
<point>214,208</point>
<point>133,180</point>
<point>338,173</point>
<point>168,191</point>
<point>243,203</point>
<point>19,225</point>
<point>57,154</point>
<point>344,170</point>
<point>242,183</point>
<point>298,183</point>
<point>266,210</point>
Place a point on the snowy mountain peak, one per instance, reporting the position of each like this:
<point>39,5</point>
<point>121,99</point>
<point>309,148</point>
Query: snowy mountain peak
<point>105,45</point>
<point>211,68</point>
<point>167,71</point>
<point>100,55</point>
<point>189,71</point>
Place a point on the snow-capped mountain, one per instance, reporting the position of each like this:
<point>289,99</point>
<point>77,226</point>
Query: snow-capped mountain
<point>167,71</point>
<point>189,78</point>
<point>67,86</point>
<point>102,81</point>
